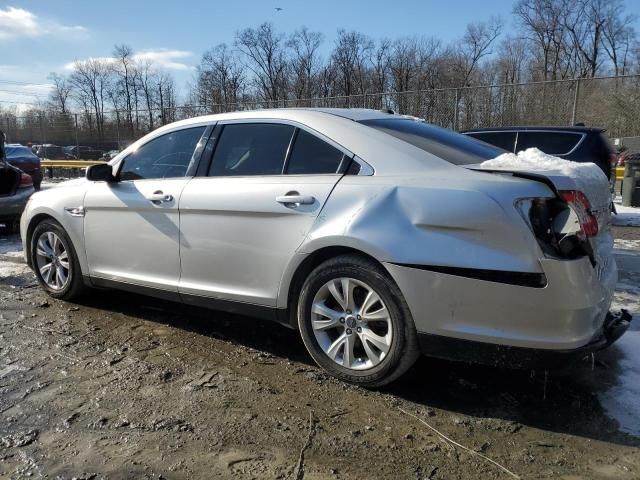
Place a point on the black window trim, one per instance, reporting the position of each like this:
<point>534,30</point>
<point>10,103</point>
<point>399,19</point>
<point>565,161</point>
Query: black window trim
<point>517,132</point>
<point>207,159</point>
<point>195,156</point>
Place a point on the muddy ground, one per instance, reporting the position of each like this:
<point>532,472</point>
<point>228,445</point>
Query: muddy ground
<point>124,386</point>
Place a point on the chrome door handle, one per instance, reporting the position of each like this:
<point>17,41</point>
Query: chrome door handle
<point>158,197</point>
<point>295,200</point>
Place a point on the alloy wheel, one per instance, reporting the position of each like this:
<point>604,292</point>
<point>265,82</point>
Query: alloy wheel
<point>52,260</point>
<point>351,323</point>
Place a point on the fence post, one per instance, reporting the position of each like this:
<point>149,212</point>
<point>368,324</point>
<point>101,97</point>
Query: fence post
<point>75,115</point>
<point>575,102</point>
<point>455,111</point>
<point>118,128</point>
<point>42,142</point>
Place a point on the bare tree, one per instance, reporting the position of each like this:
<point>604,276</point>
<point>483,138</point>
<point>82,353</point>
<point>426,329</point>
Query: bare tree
<point>618,35</point>
<point>91,78</point>
<point>221,77</point>
<point>475,45</point>
<point>352,56</point>
<point>264,50</point>
<point>381,67</point>
<point>147,79</point>
<point>61,92</point>
<point>124,67</point>
<point>305,62</point>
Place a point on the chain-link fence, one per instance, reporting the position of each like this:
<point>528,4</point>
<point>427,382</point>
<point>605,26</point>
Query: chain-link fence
<point>611,102</point>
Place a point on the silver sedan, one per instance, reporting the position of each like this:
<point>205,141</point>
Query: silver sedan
<point>377,236</point>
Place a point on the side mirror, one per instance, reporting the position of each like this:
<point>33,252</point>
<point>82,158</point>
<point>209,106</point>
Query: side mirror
<point>100,173</point>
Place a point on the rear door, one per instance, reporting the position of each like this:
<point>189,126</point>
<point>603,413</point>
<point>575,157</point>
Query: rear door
<point>243,219</point>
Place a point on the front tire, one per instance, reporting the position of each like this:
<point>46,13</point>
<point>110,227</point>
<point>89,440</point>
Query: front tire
<point>55,262</point>
<point>355,322</point>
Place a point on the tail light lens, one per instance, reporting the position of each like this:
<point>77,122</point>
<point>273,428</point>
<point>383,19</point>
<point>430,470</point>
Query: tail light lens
<point>581,206</point>
<point>25,181</point>
<point>613,160</point>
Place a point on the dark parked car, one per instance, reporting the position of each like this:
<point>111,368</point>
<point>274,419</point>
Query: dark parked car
<point>52,152</point>
<point>23,158</point>
<point>85,153</point>
<point>15,189</point>
<point>579,144</point>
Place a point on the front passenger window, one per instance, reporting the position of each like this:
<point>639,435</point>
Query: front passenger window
<point>167,156</point>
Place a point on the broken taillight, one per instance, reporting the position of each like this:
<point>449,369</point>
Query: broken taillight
<point>579,203</point>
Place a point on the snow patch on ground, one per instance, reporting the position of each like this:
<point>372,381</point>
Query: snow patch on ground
<point>621,400</point>
<point>10,246</point>
<point>11,258</point>
<point>588,177</point>
<point>626,216</point>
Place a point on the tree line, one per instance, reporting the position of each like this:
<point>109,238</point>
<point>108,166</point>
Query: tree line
<point>554,40</point>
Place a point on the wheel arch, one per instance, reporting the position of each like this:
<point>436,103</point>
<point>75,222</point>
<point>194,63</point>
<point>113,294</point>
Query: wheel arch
<point>72,233</point>
<point>33,223</point>
<point>290,289</point>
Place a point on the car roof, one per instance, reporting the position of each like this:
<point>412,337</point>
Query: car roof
<point>571,129</point>
<point>387,154</point>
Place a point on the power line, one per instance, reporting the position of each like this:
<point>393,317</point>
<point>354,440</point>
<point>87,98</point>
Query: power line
<point>16,82</point>
<point>16,92</point>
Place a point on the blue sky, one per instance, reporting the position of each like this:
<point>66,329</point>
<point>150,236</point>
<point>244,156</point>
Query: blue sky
<point>38,37</point>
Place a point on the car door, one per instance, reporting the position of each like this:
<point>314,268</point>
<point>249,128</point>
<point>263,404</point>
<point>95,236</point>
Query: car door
<point>131,226</point>
<point>245,217</point>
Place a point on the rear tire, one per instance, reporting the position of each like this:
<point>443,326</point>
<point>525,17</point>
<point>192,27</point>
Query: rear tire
<point>55,262</point>
<point>367,337</point>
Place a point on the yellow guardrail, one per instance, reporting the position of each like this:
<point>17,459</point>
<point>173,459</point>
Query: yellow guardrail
<point>619,173</point>
<point>69,163</point>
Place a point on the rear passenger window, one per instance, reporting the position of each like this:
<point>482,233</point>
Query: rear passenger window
<point>553,143</point>
<point>251,149</point>
<point>310,155</point>
<point>504,140</point>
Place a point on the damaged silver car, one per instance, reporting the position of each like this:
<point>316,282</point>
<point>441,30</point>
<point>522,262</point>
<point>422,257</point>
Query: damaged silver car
<point>378,237</point>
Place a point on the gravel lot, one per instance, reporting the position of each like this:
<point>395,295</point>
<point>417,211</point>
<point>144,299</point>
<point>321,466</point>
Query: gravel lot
<point>124,386</point>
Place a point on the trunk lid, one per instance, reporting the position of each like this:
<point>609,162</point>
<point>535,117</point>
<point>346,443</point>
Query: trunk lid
<point>591,182</point>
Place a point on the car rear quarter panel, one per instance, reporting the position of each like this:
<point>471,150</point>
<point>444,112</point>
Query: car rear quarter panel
<point>429,220</point>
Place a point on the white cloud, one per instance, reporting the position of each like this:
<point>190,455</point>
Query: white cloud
<point>18,22</point>
<point>164,58</point>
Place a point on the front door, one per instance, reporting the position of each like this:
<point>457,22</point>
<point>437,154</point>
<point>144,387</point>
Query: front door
<point>132,226</point>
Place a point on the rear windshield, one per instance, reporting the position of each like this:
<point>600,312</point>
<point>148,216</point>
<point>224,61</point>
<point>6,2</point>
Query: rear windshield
<point>18,151</point>
<point>446,144</point>
<point>552,143</point>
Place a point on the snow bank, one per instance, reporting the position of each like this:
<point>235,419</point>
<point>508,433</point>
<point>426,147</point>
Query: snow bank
<point>588,177</point>
<point>626,216</point>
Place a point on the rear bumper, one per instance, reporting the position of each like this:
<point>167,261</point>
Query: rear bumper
<point>519,357</point>
<point>11,207</point>
<point>566,314</point>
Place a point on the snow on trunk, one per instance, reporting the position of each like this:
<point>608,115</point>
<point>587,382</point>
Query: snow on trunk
<point>588,177</point>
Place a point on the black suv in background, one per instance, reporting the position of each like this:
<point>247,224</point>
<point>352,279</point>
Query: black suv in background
<point>579,144</point>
